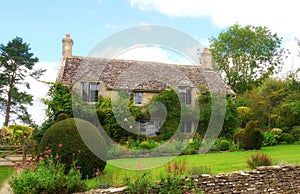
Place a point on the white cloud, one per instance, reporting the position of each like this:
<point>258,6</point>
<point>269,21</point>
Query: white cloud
<point>279,16</point>
<point>153,53</point>
<point>111,26</point>
<point>39,90</point>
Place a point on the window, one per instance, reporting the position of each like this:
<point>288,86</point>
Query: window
<point>150,128</point>
<point>186,127</point>
<point>90,92</point>
<point>138,98</point>
<point>185,95</point>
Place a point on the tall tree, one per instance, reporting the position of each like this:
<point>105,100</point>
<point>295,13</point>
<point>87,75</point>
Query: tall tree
<point>16,63</point>
<point>246,56</point>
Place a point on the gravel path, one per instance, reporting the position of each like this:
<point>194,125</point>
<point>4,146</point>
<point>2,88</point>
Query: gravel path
<point>5,189</point>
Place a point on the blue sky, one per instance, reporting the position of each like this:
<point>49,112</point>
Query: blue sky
<point>43,24</point>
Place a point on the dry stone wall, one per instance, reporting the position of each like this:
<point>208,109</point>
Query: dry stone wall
<point>271,180</point>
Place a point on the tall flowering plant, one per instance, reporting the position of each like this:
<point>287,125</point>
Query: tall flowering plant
<point>46,175</point>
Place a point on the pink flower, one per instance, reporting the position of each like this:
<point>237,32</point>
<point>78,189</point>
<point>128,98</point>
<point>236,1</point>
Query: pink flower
<point>78,167</point>
<point>78,151</point>
<point>60,145</point>
<point>50,161</point>
<point>41,158</point>
<point>57,156</point>
<point>49,151</point>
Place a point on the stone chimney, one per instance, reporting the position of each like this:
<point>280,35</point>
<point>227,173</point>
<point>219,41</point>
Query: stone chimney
<point>206,59</point>
<point>67,44</point>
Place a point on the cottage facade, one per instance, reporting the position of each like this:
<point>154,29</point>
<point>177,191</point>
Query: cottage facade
<point>92,77</point>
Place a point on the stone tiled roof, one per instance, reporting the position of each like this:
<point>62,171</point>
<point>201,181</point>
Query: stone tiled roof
<point>139,75</point>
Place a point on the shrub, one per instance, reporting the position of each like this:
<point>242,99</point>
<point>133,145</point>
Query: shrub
<point>20,134</point>
<point>250,137</point>
<point>61,116</point>
<point>145,145</point>
<point>171,183</point>
<point>223,145</point>
<point>65,132</point>
<point>269,139</point>
<point>259,160</point>
<point>296,133</point>
<point>46,176</point>
<point>139,183</point>
<point>176,167</point>
<point>286,137</point>
<point>276,132</point>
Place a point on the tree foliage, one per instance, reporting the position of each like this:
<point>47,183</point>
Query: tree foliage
<point>16,64</point>
<point>59,100</point>
<point>246,56</point>
<point>275,104</point>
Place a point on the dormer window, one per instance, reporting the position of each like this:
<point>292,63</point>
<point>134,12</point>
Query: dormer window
<point>90,91</point>
<point>185,94</point>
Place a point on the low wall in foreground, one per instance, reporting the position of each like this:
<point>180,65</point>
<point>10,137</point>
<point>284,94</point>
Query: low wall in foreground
<point>268,179</point>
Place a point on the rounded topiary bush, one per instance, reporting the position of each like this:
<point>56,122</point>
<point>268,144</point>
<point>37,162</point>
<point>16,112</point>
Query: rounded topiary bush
<point>224,145</point>
<point>66,141</point>
<point>61,116</point>
<point>145,145</point>
<point>286,137</point>
<point>250,137</point>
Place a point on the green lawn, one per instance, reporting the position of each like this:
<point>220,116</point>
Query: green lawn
<point>219,162</point>
<point>5,172</point>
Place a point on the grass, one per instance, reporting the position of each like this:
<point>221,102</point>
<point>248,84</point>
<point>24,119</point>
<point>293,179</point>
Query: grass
<point>5,172</point>
<point>219,162</point>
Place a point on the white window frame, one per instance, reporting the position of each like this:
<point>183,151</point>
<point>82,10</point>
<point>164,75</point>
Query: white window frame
<point>186,127</point>
<point>149,128</point>
<point>185,94</point>
<point>90,91</point>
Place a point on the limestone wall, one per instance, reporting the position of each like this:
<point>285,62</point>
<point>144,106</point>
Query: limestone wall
<point>273,179</point>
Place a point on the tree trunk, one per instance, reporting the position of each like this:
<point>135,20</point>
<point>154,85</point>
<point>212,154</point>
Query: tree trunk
<point>7,112</point>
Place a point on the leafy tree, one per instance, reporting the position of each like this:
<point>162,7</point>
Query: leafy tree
<point>16,64</point>
<point>59,100</point>
<point>246,56</point>
<point>230,120</point>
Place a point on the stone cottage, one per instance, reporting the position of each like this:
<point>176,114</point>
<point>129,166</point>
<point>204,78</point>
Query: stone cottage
<point>92,77</point>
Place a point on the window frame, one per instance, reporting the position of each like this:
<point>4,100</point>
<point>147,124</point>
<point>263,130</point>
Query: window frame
<point>150,127</point>
<point>185,94</point>
<point>138,98</point>
<point>186,127</point>
<point>90,92</point>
